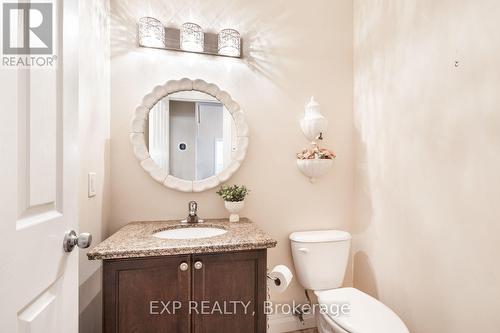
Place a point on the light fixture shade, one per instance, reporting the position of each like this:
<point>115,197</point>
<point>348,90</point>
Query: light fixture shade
<point>229,43</point>
<point>192,37</point>
<point>151,32</point>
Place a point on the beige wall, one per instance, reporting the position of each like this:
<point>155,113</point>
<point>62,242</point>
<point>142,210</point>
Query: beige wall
<point>292,51</point>
<point>94,118</point>
<point>427,172</point>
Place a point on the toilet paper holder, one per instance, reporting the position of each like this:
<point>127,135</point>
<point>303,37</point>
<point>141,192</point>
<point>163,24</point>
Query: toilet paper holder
<point>276,280</point>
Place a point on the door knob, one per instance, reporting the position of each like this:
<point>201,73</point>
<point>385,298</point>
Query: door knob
<point>71,240</point>
<point>198,265</point>
<point>183,266</point>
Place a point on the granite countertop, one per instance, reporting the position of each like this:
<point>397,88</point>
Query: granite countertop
<point>136,240</point>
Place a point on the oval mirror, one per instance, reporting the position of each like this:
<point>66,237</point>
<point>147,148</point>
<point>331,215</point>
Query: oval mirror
<point>189,135</point>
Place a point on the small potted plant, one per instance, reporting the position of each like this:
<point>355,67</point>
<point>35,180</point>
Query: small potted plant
<point>234,197</point>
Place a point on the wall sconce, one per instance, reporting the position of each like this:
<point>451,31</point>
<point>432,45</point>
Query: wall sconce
<point>192,38</point>
<point>314,162</point>
<point>151,32</point>
<point>314,124</point>
<point>229,43</point>
<point>189,38</point>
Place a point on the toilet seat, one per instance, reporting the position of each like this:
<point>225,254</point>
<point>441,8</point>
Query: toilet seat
<point>367,315</point>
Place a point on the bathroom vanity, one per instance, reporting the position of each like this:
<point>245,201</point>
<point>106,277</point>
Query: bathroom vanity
<point>169,276</point>
<point>182,283</point>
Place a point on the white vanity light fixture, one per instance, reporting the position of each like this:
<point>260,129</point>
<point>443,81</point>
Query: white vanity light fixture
<point>192,38</point>
<point>151,32</point>
<point>229,43</point>
<point>188,38</point>
<point>314,124</point>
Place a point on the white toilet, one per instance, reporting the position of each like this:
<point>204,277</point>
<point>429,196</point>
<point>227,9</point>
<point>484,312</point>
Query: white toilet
<point>320,259</point>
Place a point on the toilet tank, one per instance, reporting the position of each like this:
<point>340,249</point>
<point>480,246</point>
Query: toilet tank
<point>320,257</point>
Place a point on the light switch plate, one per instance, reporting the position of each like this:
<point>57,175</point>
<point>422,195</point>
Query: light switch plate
<point>92,185</point>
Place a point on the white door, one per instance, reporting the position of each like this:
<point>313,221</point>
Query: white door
<point>38,178</point>
<point>209,133</point>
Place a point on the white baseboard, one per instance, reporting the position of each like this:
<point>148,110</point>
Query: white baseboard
<point>279,323</point>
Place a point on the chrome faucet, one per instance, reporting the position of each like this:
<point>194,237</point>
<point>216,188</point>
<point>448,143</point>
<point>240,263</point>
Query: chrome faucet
<point>193,217</point>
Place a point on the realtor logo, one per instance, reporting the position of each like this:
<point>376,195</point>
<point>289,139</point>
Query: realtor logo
<point>27,28</point>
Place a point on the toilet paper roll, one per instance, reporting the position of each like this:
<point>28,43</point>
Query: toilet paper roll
<point>280,277</point>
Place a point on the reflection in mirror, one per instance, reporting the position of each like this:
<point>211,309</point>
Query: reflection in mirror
<point>191,135</point>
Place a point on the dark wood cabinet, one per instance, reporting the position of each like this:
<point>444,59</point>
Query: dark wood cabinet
<point>216,293</point>
<point>132,288</point>
<point>235,283</point>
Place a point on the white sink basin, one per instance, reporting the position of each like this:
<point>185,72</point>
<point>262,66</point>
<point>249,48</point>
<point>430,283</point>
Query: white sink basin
<point>189,233</point>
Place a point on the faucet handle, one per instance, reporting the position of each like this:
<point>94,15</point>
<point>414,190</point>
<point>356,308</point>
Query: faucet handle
<point>192,206</point>
<point>192,217</point>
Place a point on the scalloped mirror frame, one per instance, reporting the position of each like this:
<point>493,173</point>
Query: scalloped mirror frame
<point>138,137</point>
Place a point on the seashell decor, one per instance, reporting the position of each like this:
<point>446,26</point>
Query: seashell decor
<point>314,162</point>
<point>316,153</point>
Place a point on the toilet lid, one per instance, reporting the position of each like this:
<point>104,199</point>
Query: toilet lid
<point>366,314</point>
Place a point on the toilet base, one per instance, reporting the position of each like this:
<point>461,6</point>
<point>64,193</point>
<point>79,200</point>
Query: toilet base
<point>326,325</point>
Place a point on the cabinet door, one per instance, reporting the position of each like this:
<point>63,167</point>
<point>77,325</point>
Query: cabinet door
<point>134,290</point>
<point>229,291</point>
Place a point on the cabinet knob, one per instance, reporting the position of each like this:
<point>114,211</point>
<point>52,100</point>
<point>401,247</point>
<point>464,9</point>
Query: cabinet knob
<point>183,266</point>
<point>198,265</point>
